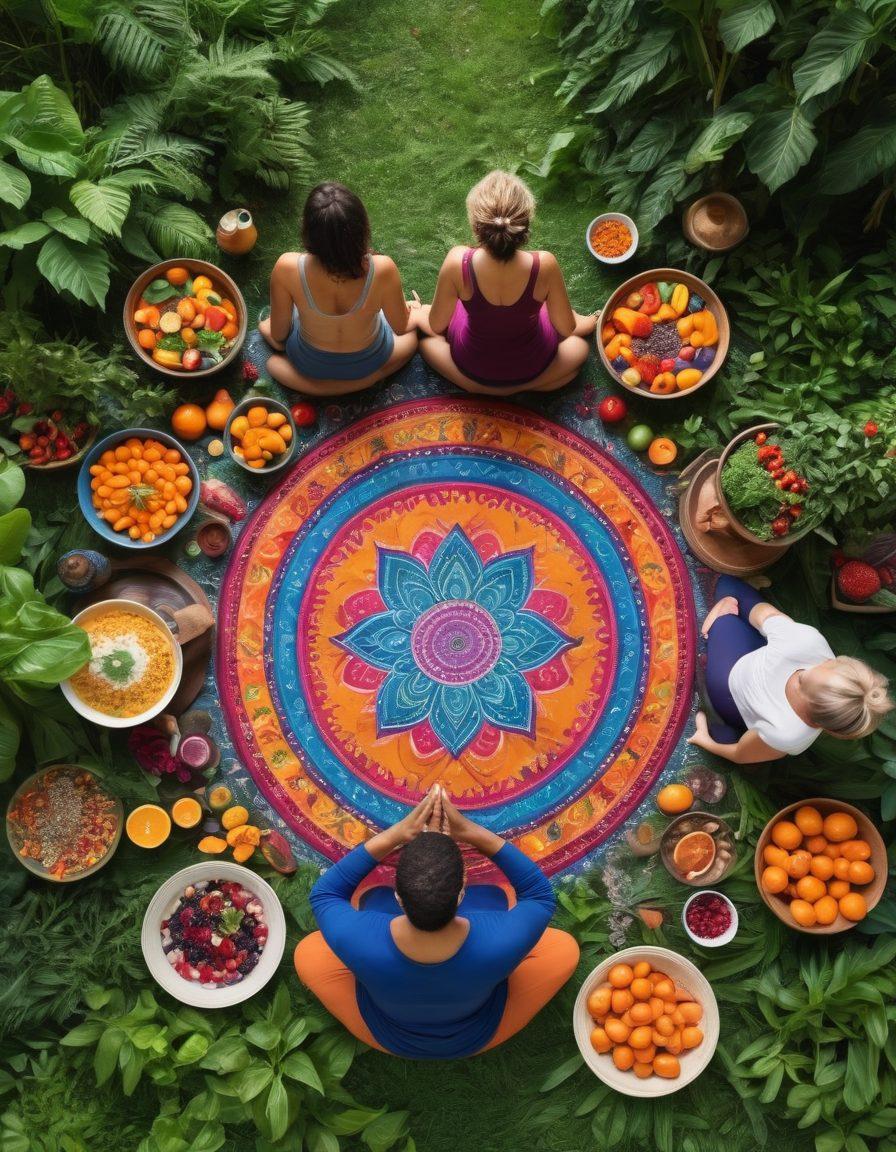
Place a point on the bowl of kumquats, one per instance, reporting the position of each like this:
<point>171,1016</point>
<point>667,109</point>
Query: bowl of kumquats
<point>821,866</point>
<point>646,1021</point>
<point>138,488</point>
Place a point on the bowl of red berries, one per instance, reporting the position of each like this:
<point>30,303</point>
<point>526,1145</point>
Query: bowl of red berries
<point>709,919</point>
<point>213,935</point>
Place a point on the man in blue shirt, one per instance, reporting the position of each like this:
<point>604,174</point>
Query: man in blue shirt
<point>434,970</point>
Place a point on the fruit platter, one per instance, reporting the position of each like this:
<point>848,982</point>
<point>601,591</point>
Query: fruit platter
<point>213,934</point>
<point>663,333</point>
<point>762,486</point>
<point>821,866</point>
<point>185,317</point>
<point>646,1022</point>
<point>62,824</point>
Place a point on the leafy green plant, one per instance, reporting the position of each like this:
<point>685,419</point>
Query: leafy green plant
<point>681,96</point>
<point>70,374</point>
<point>39,647</point>
<point>275,1068</point>
<point>64,205</point>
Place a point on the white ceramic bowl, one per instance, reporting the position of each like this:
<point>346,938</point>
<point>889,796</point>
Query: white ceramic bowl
<point>632,249</point>
<point>93,714</point>
<point>164,902</point>
<point>716,941</point>
<point>686,975</point>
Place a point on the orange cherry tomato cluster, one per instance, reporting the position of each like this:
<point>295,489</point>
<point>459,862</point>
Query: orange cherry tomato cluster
<point>141,488</point>
<point>190,328</point>
<point>814,863</point>
<point>643,1021</point>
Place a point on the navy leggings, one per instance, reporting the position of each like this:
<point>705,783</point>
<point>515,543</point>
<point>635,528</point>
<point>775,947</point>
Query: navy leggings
<point>729,638</point>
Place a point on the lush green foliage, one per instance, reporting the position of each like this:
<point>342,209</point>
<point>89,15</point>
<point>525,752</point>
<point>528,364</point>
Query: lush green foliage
<point>171,95</point>
<point>682,95</point>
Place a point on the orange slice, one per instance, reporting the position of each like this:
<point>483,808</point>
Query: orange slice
<point>694,854</point>
<point>186,812</point>
<point>148,826</point>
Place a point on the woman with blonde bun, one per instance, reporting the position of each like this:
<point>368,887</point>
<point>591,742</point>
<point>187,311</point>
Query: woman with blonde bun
<point>776,685</point>
<point>501,321</point>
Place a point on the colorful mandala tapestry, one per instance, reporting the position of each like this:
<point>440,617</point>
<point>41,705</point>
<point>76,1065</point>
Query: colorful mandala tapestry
<point>459,591</point>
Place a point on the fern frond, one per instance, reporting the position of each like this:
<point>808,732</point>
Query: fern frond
<point>302,57</point>
<point>173,229</point>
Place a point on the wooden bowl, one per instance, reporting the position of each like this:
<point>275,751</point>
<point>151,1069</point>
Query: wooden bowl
<point>196,268</point>
<point>686,975</point>
<point>878,861</point>
<point>734,523</point>
<point>694,284</point>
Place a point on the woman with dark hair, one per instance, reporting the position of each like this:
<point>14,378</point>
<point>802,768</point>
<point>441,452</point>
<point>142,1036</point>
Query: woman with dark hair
<point>501,321</point>
<point>434,970</point>
<point>339,321</point>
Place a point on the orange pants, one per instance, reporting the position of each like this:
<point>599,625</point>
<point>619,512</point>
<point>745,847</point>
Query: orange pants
<point>535,981</point>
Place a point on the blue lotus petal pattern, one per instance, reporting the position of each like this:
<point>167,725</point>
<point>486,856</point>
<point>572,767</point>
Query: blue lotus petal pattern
<point>455,640</point>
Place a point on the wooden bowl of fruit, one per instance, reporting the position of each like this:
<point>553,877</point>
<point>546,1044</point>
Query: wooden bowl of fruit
<point>763,493</point>
<point>663,334</point>
<point>821,866</point>
<point>54,443</point>
<point>185,318</point>
<point>646,1021</point>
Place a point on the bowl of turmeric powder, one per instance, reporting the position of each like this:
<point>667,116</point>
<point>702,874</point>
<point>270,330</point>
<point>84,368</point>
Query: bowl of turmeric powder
<point>612,238</point>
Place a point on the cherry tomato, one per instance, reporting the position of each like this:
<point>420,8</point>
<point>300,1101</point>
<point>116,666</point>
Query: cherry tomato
<point>303,414</point>
<point>612,409</point>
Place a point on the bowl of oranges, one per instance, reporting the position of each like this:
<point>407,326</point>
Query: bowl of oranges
<point>260,434</point>
<point>821,866</point>
<point>646,1021</point>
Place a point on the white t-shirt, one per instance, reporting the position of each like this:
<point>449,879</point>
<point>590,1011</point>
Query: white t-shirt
<point>758,683</point>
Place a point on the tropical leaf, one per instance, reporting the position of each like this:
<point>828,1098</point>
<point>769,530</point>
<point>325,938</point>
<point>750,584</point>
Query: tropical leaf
<point>651,145</point>
<point>72,226</point>
<point>103,203</point>
<point>637,68</point>
<point>174,229</point>
<point>833,53</point>
<point>80,269</point>
<point>778,145</point>
<point>15,187</point>
<point>745,22</point>
<point>860,158</point>
<point>24,234</point>
<point>724,130</point>
<point>46,152</point>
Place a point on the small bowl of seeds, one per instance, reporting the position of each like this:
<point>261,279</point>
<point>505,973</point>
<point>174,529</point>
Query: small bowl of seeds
<point>612,238</point>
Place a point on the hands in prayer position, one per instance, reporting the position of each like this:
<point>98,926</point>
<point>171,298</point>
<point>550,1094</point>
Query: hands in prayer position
<point>434,813</point>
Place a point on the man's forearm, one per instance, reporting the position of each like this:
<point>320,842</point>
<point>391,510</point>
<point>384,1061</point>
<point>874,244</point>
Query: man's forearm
<point>484,841</point>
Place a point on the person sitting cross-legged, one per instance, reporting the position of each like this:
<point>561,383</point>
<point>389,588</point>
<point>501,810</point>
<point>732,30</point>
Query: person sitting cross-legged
<point>434,970</point>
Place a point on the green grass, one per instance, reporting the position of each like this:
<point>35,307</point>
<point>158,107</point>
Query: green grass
<point>448,91</point>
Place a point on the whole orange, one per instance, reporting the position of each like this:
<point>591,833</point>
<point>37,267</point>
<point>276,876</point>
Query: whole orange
<point>188,421</point>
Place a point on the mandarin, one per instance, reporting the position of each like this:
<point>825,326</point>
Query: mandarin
<point>822,867</point>
<point>860,872</point>
<point>815,844</point>
<point>855,850</point>
<point>809,820</point>
<point>803,913</point>
<point>620,975</point>
<point>826,910</point>
<point>787,835</point>
<point>798,865</point>
<point>840,826</point>
<point>189,421</point>
<point>853,906</point>
<point>774,879</point>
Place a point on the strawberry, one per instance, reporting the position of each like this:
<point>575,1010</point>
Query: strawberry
<point>250,372</point>
<point>870,429</point>
<point>857,581</point>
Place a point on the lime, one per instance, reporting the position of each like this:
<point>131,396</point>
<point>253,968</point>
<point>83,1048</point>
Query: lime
<point>639,437</point>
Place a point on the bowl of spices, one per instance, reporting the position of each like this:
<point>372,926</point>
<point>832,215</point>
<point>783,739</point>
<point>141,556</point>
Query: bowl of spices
<point>62,824</point>
<point>663,333</point>
<point>709,919</point>
<point>612,237</point>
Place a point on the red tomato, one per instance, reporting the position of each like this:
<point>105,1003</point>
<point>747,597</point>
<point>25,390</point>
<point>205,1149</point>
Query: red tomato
<point>215,318</point>
<point>612,409</point>
<point>303,414</point>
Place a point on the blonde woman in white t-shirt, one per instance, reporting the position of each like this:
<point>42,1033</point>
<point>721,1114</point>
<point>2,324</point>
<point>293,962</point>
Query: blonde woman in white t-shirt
<point>776,685</point>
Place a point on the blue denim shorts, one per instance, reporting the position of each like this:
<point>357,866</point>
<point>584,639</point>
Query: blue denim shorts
<point>322,365</point>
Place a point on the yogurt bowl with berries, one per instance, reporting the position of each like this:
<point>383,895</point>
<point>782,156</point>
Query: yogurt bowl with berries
<point>213,935</point>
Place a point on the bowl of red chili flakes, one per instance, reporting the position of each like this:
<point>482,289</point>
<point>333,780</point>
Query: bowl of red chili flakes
<point>62,824</point>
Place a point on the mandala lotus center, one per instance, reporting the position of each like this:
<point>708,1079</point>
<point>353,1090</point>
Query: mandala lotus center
<point>456,642</point>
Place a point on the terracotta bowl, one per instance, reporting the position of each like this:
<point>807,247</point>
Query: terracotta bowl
<point>734,523</point>
<point>694,284</point>
<point>686,975</point>
<point>878,861</point>
<point>196,268</point>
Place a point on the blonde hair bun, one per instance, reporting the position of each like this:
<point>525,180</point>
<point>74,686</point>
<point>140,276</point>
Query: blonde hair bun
<point>500,210</point>
<point>854,701</point>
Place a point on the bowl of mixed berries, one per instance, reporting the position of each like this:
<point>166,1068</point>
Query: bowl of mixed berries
<point>213,934</point>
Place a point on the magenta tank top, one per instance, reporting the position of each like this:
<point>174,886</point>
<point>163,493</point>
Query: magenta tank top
<point>501,344</point>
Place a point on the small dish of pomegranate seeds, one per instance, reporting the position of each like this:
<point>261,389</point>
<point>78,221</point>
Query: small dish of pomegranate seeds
<point>710,919</point>
<point>213,934</point>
